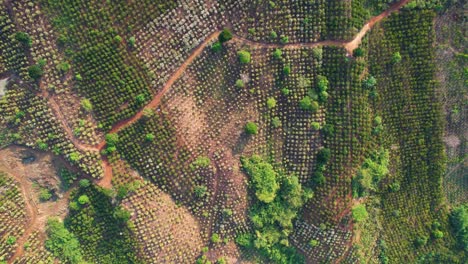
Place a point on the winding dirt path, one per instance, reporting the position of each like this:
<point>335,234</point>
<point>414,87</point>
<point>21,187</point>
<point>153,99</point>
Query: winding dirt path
<point>350,46</point>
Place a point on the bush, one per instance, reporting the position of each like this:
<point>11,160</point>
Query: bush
<point>225,35</point>
<point>307,104</point>
<point>271,103</point>
<point>200,191</point>
<point>287,70</point>
<point>62,243</point>
<point>314,243</point>
<point>215,238</point>
<point>396,57</point>
<point>83,199</point>
<point>315,125</point>
<point>84,183</point>
<point>23,38</point>
<point>421,241</point>
<point>217,46</point>
<point>45,194</point>
<point>263,177</point>
<point>201,162</point>
<point>244,240</point>
<point>370,82</point>
<point>251,128</point>
<point>86,105</point>
<point>358,52</point>
<point>328,130</point>
<point>459,223</point>
<point>112,139</point>
<point>323,156</point>
<point>244,56</point>
<point>11,240</point>
<point>359,213</point>
<point>240,83</point>
<point>131,42</point>
<point>273,34</point>
<point>150,137</point>
<point>140,99</point>
<point>277,54</point>
<point>276,122</point>
<point>35,72</point>
<point>63,66</point>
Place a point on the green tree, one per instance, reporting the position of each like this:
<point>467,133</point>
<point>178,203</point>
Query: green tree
<point>287,70</point>
<point>396,57</point>
<point>358,52</point>
<point>23,38</point>
<point>83,199</point>
<point>131,42</point>
<point>150,137</point>
<point>277,54</point>
<point>217,46</point>
<point>271,102</point>
<point>86,105</point>
<point>225,35</point>
<point>263,177</point>
<point>244,56</point>
<point>84,183</point>
<point>251,128</point>
<point>240,83</point>
<point>62,243</point>
<point>200,191</point>
<point>35,72</point>
<point>308,104</point>
<point>359,213</point>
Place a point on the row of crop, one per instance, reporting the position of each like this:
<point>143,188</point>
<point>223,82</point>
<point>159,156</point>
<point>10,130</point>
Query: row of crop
<point>411,114</point>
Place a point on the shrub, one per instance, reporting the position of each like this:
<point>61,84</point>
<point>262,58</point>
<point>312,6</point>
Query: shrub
<point>86,105</point>
<point>437,234</point>
<point>244,56</point>
<point>421,241</point>
<point>215,238</point>
<point>83,199</point>
<point>277,54</point>
<point>244,240</point>
<point>276,122</point>
<point>314,243</point>
<point>63,66</point>
<point>84,183</point>
<point>263,177</point>
<point>150,137</point>
<point>11,240</point>
<point>140,99</point>
<point>323,156</point>
<point>217,46</point>
<point>396,57</point>
<point>112,139</point>
<point>358,52</point>
<point>273,34</point>
<point>225,35</point>
<point>240,83</point>
<point>307,104</point>
<point>121,214</point>
<point>319,178</point>
<point>45,194</point>
<point>285,91</point>
<point>359,213</point>
<point>62,243</point>
<point>131,42</point>
<point>201,162</point>
<point>35,72</point>
<point>370,82</point>
<point>315,125</point>
<point>328,130</point>
<point>23,38</point>
<point>200,191</point>
<point>251,128</point>
<point>317,53</point>
<point>286,70</point>
<point>459,223</point>
<point>284,39</point>
<point>271,103</point>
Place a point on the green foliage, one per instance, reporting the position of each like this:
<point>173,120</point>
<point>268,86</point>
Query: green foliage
<point>323,156</point>
<point>102,228</point>
<point>35,72</point>
<point>263,177</point>
<point>84,183</point>
<point>359,213</point>
<point>271,102</point>
<point>140,99</point>
<point>373,170</point>
<point>307,104</point>
<point>370,82</point>
<point>86,105</point>
<point>83,199</point>
<point>277,54</point>
<point>459,222</point>
<point>45,194</point>
<point>132,42</point>
<point>215,238</point>
<point>63,244</point>
<point>217,46</point>
<point>201,162</point>
<point>328,130</point>
<point>276,122</point>
<point>421,241</point>
<point>315,125</point>
<point>251,128</point>
<point>287,70</point>
<point>11,240</point>
<point>200,191</point>
<point>273,34</point>
<point>317,53</point>
<point>150,137</point>
<point>244,56</point>
<point>358,52</point>
<point>63,66</point>
<point>23,38</point>
<point>314,243</point>
<point>396,57</point>
<point>225,35</point>
<point>240,83</point>
<point>280,197</point>
<point>112,139</point>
